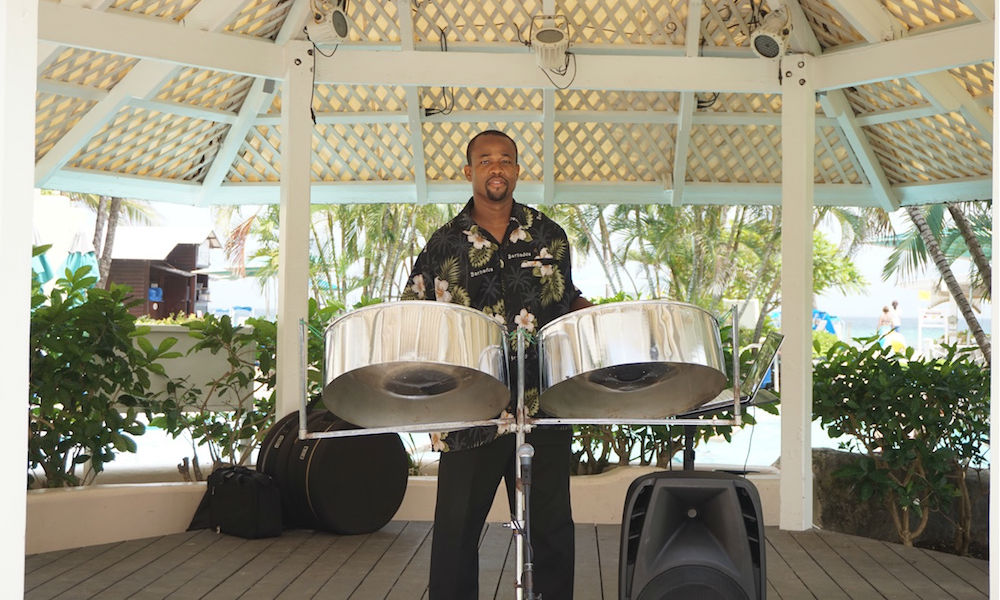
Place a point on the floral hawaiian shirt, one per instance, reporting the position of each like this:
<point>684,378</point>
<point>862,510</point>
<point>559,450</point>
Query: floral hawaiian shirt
<point>523,280</point>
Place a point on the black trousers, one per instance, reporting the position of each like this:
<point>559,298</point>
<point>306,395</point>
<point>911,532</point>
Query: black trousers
<point>467,484</point>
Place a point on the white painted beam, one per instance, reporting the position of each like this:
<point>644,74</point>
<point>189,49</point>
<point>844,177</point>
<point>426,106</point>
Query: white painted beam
<point>949,96</point>
<point>798,153</point>
<point>835,105</point>
<point>414,108</point>
<point>351,192</point>
<point>985,10</point>
<point>159,40</point>
<point>18,42</point>
<point>548,146</point>
<point>870,19</point>
<point>906,57</point>
<point>140,82</point>
<point>636,117</point>
<point>519,70</point>
<point>293,224</point>
<point>686,108</point>
<point>257,101</point>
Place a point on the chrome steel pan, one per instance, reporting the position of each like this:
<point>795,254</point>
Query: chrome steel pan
<point>415,362</point>
<point>649,359</point>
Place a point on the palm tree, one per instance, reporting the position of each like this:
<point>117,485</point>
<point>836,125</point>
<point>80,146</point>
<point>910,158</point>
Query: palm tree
<point>944,268</point>
<point>110,211</point>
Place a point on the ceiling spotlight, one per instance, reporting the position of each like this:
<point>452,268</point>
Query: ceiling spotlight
<point>770,40</point>
<point>328,22</point>
<point>550,41</point>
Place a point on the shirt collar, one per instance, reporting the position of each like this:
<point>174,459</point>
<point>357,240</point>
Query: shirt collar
<point>517,213</point>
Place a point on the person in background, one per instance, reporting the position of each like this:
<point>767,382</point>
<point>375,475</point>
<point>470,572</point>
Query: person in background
<point>897,319</point>
<point>513,263</point>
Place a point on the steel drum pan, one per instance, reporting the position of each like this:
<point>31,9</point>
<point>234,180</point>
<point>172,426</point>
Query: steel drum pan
<point>648,359</point>
<point>415,362</point>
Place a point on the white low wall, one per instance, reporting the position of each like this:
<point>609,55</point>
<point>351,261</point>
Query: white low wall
<point>99,514</point>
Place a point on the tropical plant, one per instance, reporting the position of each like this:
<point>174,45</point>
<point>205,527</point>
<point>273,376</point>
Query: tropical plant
<point>88,382</point>
<point>917,424</point>
<point>247,388</point>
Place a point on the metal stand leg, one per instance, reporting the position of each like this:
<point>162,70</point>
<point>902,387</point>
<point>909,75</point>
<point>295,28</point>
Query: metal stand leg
<point>689,447</point>
<point>524,587</point>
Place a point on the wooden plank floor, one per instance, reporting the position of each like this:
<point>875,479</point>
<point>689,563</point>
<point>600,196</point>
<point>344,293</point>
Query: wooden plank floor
<point>392,564</point>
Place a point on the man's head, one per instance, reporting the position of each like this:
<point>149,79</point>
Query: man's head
<point>492,166</point>
<point>482,134</point>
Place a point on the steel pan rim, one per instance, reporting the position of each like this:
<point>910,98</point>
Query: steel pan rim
<point>599,307</point>
<point>450,305</point>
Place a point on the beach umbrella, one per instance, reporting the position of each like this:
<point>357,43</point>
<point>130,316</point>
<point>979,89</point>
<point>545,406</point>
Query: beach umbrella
<point>81,254</point>
<point>40,269</point>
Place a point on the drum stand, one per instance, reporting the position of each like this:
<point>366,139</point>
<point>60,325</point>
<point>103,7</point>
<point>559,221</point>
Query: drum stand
<point>524,586</point>
<point>522,424</point>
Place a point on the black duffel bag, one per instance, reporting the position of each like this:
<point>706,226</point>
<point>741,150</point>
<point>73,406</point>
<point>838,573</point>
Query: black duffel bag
<point>243,502</point>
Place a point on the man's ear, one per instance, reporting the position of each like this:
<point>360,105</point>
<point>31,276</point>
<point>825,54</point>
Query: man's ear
<point>467,169</point>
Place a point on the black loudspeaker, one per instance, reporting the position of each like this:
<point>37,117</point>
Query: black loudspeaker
<point>692,534</point>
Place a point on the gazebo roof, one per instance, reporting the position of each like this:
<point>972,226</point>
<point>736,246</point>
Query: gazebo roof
<point>662,100</point>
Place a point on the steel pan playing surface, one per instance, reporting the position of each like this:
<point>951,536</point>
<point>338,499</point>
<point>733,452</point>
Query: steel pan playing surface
<point>415,362</point>
<point>649,359</point>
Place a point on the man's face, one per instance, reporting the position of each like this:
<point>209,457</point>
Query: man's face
<point>493,171</point>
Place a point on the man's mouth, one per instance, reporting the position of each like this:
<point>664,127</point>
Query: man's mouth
<point>497,181</point>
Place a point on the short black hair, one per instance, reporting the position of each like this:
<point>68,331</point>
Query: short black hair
<point>468,148</point>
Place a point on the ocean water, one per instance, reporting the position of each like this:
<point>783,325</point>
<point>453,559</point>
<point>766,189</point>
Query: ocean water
<point>865,326</point>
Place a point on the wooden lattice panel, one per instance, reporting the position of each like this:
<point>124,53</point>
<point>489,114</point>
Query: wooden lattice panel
<point>607,100</point>
<point>149,143</point>
<point>613,152</point>
<point>259,159</point>
<point>474,20</point>
<point>727,23</point>
<point>208,89</point>
<point>54,116</point>
<point>834,163</point>
<point>741,103</point>
<point>444,148</point>
<point>260,18</point>
<point>976,79</point>
<point>938,148</point>
<point>734,154</point>
<point>174,10</point>
<point>85,67</point>
<point>830,27</point>
<point>352,98</point>
<point>916,14</point>
<point>884,96</point>
<point>362,152</point>
<point>482,98</point>
<point>647,22</point>
<point>374,21</point>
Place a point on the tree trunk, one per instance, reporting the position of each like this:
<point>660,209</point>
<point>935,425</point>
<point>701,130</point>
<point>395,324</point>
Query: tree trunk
<point>978,256</point>
<point>934,250</point>
<point>104,264</point>
<point>103,203</point>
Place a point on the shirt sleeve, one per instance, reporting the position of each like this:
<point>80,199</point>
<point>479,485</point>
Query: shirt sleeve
<point>420,283</point>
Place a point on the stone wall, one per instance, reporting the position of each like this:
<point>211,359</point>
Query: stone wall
<point>838,508</point>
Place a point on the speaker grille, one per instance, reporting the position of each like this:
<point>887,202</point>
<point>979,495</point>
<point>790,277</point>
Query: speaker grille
<point>692,582</point>
<point>635,522</point>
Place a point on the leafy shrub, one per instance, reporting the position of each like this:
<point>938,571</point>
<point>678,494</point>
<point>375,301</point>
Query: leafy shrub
<point>87,382</point>
<point>920,424</point>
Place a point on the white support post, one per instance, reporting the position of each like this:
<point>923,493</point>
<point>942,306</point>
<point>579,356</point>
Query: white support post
<point>994,516</point>
<point>18,47</point>
<point>293,216</point>
<point>798,139</point>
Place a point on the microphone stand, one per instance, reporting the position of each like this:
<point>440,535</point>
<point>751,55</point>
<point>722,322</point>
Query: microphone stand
<point>524,587</point>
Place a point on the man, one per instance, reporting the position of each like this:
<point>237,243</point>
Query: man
<point>513,263</point>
